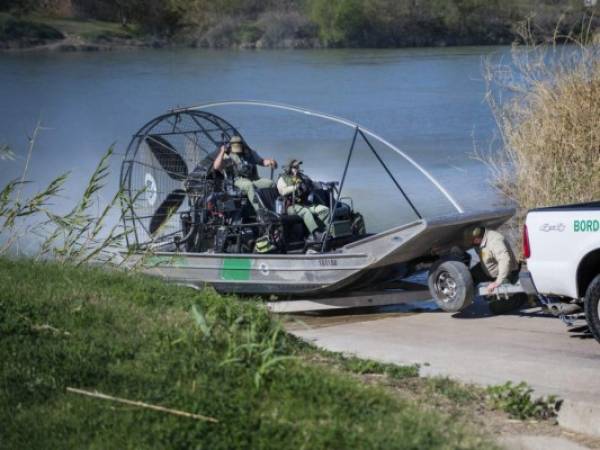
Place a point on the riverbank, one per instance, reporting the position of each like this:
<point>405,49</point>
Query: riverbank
<point>224,372</point>
<point>136,338</point>
<point>318,25</point>
<point>53,34</point>
<point>40,33</point>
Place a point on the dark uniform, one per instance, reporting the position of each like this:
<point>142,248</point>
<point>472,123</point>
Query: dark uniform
<point>241,167</point>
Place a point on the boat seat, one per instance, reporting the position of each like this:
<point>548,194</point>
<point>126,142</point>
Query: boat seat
<point>267,198</point>
<point>321,197</point>
<point>342,212</point>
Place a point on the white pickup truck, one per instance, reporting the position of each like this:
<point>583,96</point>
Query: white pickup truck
<point>562,248</point>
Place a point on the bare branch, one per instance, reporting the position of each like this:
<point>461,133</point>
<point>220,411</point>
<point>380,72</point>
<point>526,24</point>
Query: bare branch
<point>96,394</point>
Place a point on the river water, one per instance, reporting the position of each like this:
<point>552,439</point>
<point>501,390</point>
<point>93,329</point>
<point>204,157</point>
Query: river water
<point>428,102</point>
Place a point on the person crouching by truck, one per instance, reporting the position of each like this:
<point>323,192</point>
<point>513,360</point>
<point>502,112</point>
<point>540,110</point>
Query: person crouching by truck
<point>497,261</point>
<point>294,186</point>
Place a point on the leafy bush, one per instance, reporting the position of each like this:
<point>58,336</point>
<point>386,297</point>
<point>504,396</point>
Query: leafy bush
<point>224,34</point>
<point>249,33</point>
<point>279,27</point>
<point>351,21</point>
<point>12,29</point>
<point>332,17</point>
<point>389,23</point>
<point>364,23</point>
<point>517,401</point>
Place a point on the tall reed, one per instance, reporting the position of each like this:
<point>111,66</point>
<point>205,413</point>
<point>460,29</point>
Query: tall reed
<point>79,236</point>
<point>546,101</point>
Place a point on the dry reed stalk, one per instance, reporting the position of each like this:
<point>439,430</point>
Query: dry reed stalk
<point>125,401</point>
<point>547,107</point>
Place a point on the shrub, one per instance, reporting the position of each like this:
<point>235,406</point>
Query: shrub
<point>517,401</point>
<point>12,29</point>
<point>352,21</point>
<point>223,34</point>
<point>280,27</point>
<point>389,23</point>
<point>249,33</point>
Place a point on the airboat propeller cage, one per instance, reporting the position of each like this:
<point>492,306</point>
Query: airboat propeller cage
<point>172,144</point>
<point>160,160</point>
<point>208,131</point>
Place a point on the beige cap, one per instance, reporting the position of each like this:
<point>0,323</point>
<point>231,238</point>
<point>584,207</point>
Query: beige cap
<point>236,144</point>
<point>478,232</point>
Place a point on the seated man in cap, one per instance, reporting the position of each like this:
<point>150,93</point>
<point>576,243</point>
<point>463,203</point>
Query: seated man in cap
<point>294,187</point>
<point>239,162</point>
<point>497,261</point>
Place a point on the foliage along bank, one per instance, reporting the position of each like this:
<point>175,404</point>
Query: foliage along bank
<point>314,23</point>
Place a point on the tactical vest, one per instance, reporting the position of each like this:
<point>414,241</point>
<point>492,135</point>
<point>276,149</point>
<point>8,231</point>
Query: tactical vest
<point>241,167</point>
<point>290,180</point>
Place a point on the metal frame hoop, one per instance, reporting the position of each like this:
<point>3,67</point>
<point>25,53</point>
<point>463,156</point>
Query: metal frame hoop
<point>364,131</point>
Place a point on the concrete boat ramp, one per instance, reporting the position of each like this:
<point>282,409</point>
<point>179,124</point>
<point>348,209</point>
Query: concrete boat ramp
<point>473,346</point>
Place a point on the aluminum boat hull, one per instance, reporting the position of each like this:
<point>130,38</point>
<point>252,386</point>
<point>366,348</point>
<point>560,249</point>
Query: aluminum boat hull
<point>317,273</point>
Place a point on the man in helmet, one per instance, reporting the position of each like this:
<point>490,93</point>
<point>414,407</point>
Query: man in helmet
<point>294,186</point>
<point>239,162</point>
<point>497,260</point>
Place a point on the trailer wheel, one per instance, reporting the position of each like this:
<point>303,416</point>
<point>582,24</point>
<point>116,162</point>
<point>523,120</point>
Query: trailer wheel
<point>451,285</point>
<point>592,307</point>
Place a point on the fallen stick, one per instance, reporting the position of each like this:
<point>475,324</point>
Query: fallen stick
<point>176,412</point>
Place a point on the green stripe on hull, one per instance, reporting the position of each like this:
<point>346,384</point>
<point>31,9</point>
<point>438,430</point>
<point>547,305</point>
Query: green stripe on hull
<point>236,269</point>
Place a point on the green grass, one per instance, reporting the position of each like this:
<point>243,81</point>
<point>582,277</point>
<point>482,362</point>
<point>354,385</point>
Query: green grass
<point>369,366</point>
<point>32,31</point>
<point>35,27</point>
<point>454,391</point>
<point>88,29</point>
<point>137,338</point>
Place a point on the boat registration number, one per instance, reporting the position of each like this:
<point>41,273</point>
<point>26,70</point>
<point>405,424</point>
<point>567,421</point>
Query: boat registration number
<point>328,262</point>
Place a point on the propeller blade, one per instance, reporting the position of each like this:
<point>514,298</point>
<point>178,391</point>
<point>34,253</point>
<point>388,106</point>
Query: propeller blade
<point>166,209</point>
<point>167,157</point>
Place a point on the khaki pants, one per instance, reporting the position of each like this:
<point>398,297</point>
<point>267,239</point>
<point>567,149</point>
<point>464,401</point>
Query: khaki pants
<point>247,186</point>
<point>308,214</point>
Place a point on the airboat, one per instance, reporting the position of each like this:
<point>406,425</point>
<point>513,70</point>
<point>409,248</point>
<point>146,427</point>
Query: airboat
<point>188,223</point>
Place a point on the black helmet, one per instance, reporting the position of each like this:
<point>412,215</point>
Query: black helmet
<point>292,162</point>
